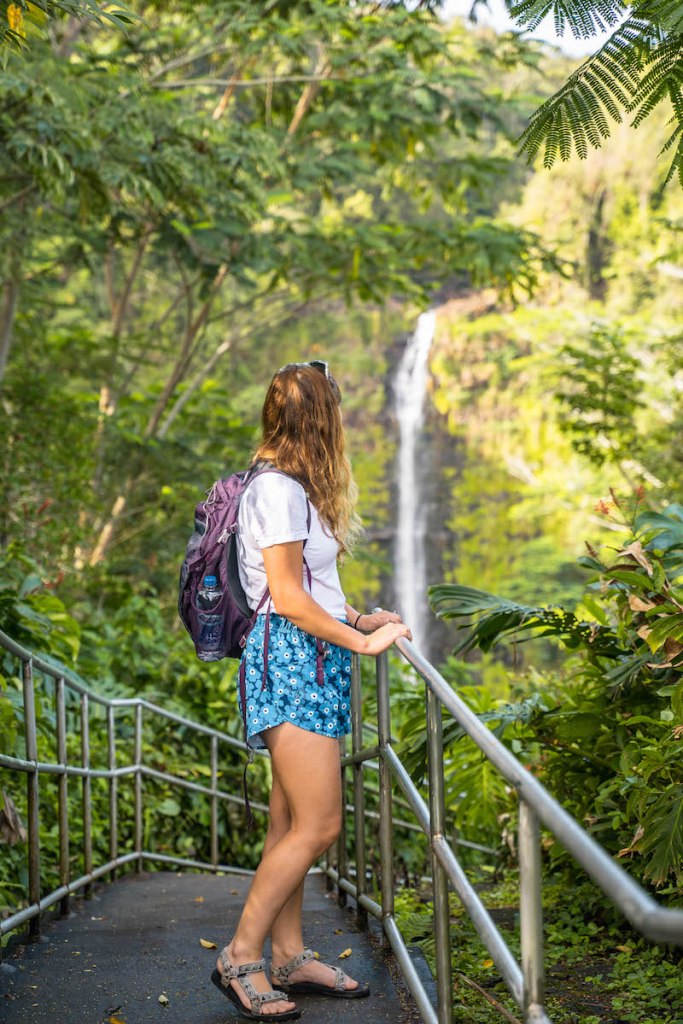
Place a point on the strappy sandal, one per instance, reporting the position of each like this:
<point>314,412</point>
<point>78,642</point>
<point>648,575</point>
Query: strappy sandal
<point>281,976</point>
<point>256,999</point>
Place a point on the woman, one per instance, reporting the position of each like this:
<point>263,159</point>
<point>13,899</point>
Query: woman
<point>293,525</point>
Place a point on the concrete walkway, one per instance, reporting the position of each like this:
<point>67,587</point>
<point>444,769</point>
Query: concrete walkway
<point>139,938</point>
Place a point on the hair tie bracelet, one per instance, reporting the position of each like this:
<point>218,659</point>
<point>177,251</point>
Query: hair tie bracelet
<point>355,625</point>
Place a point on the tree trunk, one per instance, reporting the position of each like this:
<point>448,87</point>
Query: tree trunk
<point>9,309</point>
<point>597,246</point>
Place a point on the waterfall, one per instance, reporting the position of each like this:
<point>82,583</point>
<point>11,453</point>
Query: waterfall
<point>410,556</point>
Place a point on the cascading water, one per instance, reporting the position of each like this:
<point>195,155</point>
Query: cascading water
<point>410,557</point>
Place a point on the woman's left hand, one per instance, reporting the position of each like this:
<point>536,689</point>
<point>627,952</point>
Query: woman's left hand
<point>371,621</point>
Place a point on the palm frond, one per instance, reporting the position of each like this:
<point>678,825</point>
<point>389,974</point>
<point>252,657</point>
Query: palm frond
<point>662,840</point>
<point>489,618</point>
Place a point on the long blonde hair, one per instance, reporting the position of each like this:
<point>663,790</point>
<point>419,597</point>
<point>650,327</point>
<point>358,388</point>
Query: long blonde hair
<point>303,435</point>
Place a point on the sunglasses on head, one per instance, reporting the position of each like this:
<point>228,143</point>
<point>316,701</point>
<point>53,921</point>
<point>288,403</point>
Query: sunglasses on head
<point>322,367</point>
<point>317,364</point>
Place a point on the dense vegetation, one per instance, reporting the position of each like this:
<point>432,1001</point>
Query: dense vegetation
<point>193,194</point>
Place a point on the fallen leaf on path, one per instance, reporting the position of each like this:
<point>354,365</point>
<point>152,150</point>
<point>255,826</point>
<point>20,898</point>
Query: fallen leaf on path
<point>338,931</point>
<point>163,999</point>
<point>199,899</point>
<point>234,892</point>
<point>116,1020</point>
<point>316,956</point>
<point>207,944</point>
<point>347,952</point>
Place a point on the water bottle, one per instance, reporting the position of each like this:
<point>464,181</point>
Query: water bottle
<point>210,621</point>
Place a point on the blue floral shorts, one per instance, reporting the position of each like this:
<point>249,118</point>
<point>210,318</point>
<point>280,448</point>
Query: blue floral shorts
<point>291,693</point>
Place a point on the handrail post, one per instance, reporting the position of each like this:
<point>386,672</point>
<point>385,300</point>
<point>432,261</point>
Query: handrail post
<point>113,791</point>
<point>32,795</point>
<point>342,855</point>
<point>531,914</point>
<point>63,800</point>
<point>386,850</point>
<point>138,785</point>
<point>214,801</point>
<point>87,791</point>
<point>437,818</point>
<point>358,791</point>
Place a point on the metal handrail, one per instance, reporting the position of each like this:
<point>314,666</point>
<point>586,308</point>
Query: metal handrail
<point>33,768</point>
<point>526,981</point>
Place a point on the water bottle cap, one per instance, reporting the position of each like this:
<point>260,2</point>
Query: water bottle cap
<point>210,581</point>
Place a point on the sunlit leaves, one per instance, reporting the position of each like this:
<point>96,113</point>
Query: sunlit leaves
<point>636,70</point>
<point>24,18</point>
<point>610,730</point>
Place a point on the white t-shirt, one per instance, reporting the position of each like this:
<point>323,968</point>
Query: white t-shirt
<point>273,510</point>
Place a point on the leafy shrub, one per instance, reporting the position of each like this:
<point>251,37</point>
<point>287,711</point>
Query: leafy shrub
<point>607,734</point>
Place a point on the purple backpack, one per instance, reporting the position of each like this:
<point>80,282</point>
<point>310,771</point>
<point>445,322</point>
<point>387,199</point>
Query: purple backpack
<point>212,551</point>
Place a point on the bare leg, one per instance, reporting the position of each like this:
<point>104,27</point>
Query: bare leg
<point>313,797</point>
<point>286,932</point>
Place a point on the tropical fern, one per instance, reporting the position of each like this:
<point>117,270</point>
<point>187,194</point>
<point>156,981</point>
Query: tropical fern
<point>639,67</point>
<point>662,838</point>
<point>490,617</point>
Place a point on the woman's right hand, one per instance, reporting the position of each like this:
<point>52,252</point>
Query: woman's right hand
<point>385,636</point>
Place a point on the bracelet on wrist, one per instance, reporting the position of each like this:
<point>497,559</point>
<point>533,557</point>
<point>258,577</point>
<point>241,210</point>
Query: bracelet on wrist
<point>359,616</point>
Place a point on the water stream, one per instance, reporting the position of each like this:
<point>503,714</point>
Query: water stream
<point>410,550</point>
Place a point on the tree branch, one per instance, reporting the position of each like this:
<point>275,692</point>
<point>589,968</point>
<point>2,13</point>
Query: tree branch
<point>17,196</point>
<point>502,1010</point>
<point>248,83</point>
<point>230,89</point>
<point>216,356</point>
<point>183,61</point>
<point>194,328</point>
<point>121,307</point>
<point>107,531</point>
<point>321,72</point>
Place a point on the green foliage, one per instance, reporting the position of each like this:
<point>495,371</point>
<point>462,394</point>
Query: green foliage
<point>600,395</point>
<point>22,19</point>
<point>498,617</point>
<point>635,70</point>
<point>121,649</point>
<point>597,969</point>
<point>604,734</point>
<point>197,223</point>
